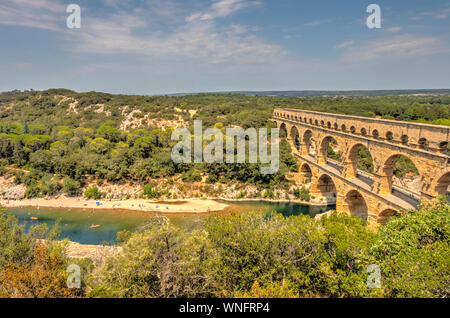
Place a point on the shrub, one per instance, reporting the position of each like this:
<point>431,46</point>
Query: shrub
<point>92,193</point>
<point>71,187</point>
<point>302,194</point>
<point>151,192</point>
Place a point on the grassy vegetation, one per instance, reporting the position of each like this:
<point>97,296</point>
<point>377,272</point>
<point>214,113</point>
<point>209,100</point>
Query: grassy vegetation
<point>245,255</point>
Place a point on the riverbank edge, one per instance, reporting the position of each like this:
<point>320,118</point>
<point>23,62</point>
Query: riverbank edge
<point>172,206</point>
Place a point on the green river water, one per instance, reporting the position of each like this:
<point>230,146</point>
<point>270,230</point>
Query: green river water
<point>75,223</point>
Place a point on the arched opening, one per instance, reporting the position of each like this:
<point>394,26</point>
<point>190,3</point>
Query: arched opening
<point>444,147</point>
<point>363,132</point>
<point>283,130</point>
<point>322,123</point>
<point>295,137</point>
<point>389,136</point>
<point>375,134</point>
<point>309,143</point>
<point>335,126</point>
<point>343,128</point>
<point>356,204</point>
<point>443,186</point>
<point>325,190</point>
<point>359,158</point>
<point>385,215</point>
<point>329,149</point>
<point>423,143</point>
<point>401,171</point>
<point>316,122</point>
<point>353,129</point>
<point>404,139</point>
<point>310,121</point>
<point>328,125</point>
<point>306,173</point>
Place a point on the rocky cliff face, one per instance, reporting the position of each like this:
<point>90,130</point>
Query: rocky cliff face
<point>11,191</point>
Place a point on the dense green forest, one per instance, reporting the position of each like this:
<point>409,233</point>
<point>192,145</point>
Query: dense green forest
<point>81,137</point>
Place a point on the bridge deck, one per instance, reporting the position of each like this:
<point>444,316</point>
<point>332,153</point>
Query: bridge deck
<point>398,198</point>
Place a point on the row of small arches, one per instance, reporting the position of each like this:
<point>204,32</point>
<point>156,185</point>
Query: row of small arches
<point>389,136</point>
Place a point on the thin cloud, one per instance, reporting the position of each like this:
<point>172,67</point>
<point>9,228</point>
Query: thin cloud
<point>394,29</point>
<point>401,46</point>
<point>147,31</point>
<point>196,39</point>
<point>40,14</point>
<point>344,44</point>
<point>318,22</point>
<point>222,8</point>
<point>439,15</point>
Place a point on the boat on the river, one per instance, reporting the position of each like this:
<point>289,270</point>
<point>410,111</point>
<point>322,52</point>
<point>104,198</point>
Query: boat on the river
<point>34,218</point>
<point>95,226</point>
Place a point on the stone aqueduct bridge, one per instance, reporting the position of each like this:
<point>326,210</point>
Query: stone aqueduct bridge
<point>371,196</point>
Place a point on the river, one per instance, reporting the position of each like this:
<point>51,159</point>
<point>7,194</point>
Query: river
<point>75,223</point>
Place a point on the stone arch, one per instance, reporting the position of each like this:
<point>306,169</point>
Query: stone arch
<point>384,216</point>
<point>387,172</point>
<point>363,131</point>
<point>335,126</point>
<point>375,134</point>
<point>283,130</point>
<point>356,204</point>
<point>322,123</point>
<point>324,190</point>
<point>324,146</point>
<point>352,129</point>
<point>442,185</point>
<point>311,121</point>
<point>306,173</point>
<point>307,135</point>
<point>343,128</point>
<point>294,135</point>
<point>316,122</point>
<point>404,139</point>
<point>389,136</point>
<point>423,143</point>
<point>351,162</point>
<point>443,147</point>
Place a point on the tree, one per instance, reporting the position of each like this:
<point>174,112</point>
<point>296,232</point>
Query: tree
<point>71,187</point>
<point>92,193</point>
<point>413,252</point>
<point>161,261</point>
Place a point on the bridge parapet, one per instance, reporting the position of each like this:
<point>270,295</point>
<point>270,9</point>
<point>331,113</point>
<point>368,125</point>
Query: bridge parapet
<point>432,138</point>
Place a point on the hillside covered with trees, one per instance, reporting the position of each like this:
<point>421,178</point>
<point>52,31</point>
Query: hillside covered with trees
<point>60,140</point>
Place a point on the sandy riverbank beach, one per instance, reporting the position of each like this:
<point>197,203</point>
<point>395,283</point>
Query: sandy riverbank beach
<point>170,206</point>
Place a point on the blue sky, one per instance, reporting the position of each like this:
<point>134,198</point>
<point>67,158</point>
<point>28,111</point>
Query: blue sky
<point>171,46</point>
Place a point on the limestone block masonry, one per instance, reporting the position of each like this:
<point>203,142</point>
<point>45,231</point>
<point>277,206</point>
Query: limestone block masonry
<point>372,196</point>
